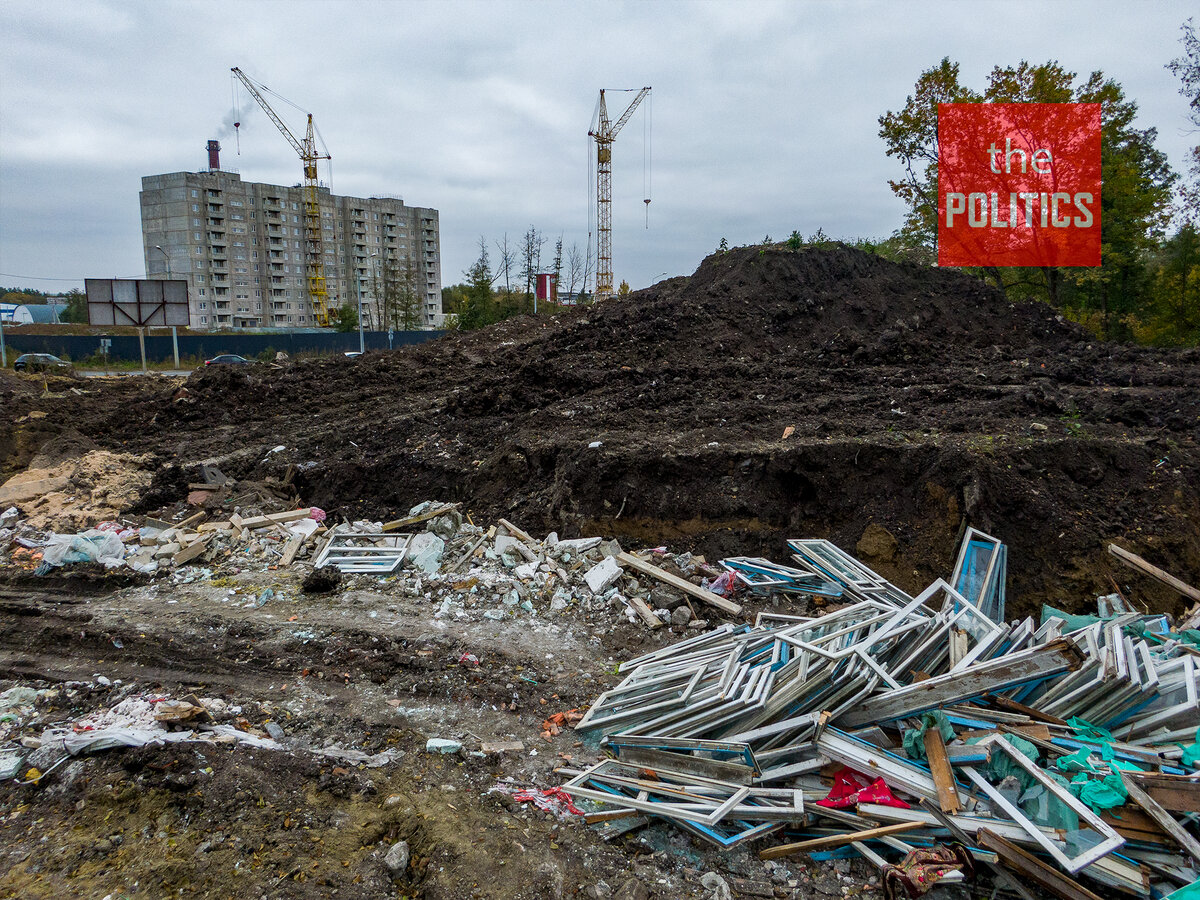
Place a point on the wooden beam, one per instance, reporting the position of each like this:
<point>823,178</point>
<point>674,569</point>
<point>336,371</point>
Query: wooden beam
<point>517,532</point>
<point>397,524</point>
<point>1163,818</point>
<point>943,775</point>
<point>1173,792</point>
<point>642,609</point>
<point>191,551</point>
<point>840,840</point>
<point>1013,706</point>
<point>1136,562</point>
<point>728,606</point>
<point>273,518</point>
<point>290,549</point>
<point>988,860</point>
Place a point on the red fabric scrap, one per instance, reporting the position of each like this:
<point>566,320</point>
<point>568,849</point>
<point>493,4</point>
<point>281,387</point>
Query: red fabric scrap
<point>850,789</point>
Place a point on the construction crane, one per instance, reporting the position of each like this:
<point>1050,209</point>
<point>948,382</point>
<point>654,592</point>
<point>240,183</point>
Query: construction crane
<point>314,251</point>
<point>605,133</point>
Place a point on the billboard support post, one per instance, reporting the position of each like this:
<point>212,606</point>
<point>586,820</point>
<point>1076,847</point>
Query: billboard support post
<point>175,344</point>
<point>142,345</point>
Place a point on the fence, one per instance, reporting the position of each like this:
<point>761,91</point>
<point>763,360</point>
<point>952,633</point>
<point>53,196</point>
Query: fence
<point>124,347</point>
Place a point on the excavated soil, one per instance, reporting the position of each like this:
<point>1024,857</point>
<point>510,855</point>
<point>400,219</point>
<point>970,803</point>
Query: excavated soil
<point>773,394</point>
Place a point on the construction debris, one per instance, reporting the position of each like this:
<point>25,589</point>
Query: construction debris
<point>1038,741</point>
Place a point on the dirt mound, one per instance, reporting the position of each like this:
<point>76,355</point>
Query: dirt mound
<point>772,394</point>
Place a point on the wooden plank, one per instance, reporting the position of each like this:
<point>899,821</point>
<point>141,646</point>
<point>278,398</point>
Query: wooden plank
<point>1133,824</point>
<point>954,687</point>
<point>639,606</point>
<point>502,746</point>
<point>1013,706</point>
<point>728,606</point>
<point>397,524</point>
<point>214,526</point>
<point>468,555</point>
<point>236,521</point>
<point>1164,819</point>
<point>190,552</point>
<point>1173,792</point>
<point>291,548</point>
<point>943,775</point>
<point>839,840</point>
<point>190,520</point>
<point>1033,869</point>
<point>1136,562</point>
<point>289,516</point>
<point>516,532</point>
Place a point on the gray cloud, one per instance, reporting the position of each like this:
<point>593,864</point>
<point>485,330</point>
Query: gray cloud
<point>764,113</point>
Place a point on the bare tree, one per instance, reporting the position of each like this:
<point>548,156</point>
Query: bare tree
<point>574,268</point>
<point>558,262</point>
<point>506,262</point>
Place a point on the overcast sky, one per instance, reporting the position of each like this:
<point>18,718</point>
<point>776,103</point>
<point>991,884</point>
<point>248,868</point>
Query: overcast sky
<point>763,113</point>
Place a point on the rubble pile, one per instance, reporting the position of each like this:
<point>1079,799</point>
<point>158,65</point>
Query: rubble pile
<point>1064,749</point>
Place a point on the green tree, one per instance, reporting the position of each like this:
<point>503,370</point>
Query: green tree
<point>76,311</point>
<point>1134,202</point>
<point>623,290</point>
<point>344,318</point>
<point>477,308</point>
<point>1173,316</point>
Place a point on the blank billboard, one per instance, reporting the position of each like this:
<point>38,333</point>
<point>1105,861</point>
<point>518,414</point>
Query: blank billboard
<point>130,301</point>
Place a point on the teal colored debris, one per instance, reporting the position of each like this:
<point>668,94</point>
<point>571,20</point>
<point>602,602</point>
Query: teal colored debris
<point>1076,762</point>
<point>1191,753</point>
<point>914,738</point>
<point>1191,892</point>
<point>1099,794</point>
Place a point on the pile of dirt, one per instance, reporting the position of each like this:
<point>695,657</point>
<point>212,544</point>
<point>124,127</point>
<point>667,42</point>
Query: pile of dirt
<point>71,485</point>
<point>773,394</point>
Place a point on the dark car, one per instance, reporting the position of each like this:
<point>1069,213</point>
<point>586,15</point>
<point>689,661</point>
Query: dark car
<point>227,359</point>
<point>41,362</point>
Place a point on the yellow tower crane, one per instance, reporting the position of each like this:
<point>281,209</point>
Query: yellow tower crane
<point>314,251</point>
<point>605,133</point>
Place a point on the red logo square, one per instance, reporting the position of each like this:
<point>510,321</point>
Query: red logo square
<point>1019,184</point>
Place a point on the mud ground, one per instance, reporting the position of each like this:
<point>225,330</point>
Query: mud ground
<point>370,669</point>
<point>774,394</point>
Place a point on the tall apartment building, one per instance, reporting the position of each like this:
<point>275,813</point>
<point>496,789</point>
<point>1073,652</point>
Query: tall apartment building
<point>241,247</point>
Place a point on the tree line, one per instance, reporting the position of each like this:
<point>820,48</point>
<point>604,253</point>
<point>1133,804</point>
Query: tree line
<point>1148,285</point>
<point>496,288</point>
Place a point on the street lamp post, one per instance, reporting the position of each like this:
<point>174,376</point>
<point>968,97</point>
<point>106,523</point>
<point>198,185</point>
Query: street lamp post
<point>174,330</point>
<point>358,281</point>
<point>167,257</point>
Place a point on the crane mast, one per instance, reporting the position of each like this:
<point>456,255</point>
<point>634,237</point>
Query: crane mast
<point>314,250</point>
<point>604,134</point>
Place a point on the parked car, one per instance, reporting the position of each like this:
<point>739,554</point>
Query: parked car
<point>41,362</point>
<point>227,359</point>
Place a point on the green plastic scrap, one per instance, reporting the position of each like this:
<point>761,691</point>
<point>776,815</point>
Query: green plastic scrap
<point>1191,892</point>
<point>1087,730</point>
<point>1001,765</point>
<point>1099,793</point>
<point>1191,753</point>
<point>1076,762</point>
<point>1070,622</point>
<point>914,738</point>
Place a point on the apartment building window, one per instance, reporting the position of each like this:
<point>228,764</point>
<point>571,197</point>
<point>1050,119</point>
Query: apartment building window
<point>195,223</point>
<point>202,292</point>
<point>195,193</point>
<point>203,304</point>
<point>196,235</point>
<point>200,279</point>
<point>294,206</point>
<point>204,320</point>
<point>235,202</point>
